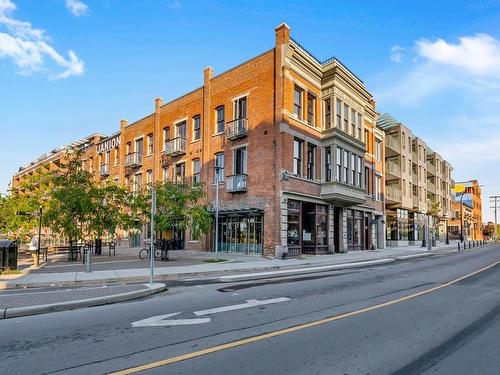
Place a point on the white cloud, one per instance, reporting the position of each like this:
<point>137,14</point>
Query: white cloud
<point>29,49</point>
<point>176,4</point>
<point>77,7</point>
<point>478,54</point>
<point>397,53</point>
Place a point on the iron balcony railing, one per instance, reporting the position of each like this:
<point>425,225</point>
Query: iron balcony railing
<point>133,159</point>
<point>104,170</point>
<point>236,183</point>
<point>237,128</point>
<point>175,146</point>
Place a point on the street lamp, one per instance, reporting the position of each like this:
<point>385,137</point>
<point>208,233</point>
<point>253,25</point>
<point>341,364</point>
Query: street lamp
<point>217,180</point>
<point>447,241</point>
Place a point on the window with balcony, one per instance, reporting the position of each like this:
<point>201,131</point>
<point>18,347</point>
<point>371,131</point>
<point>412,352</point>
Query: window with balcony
<point>240,160</point>
<point>219,111</point>
<point>219,167</point>
<point>165,174</point>
<point>311,103</point>
<point>127,181</point>
<point>166,134</point>
<point>180,130</point>
<point>346,117</point>
<point>149,177</point>
<point>353,123</point>
<point>338,113</point>
<point>297,157</point>
<point>328,114</point>
<point>196,171</point>
<point>297,102</point>
<point>139,146</point>
<point>328,164</point>
<point>128,147</point>
<point>311,150</point>
<point>196,127</point>
<point>338,161</point>
<point>240,108</point>
<point>180,173</point>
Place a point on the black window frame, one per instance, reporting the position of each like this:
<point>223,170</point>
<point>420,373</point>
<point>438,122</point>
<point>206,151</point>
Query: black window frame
<point>196,127</point>
<point>297,156</point>
<point>298,107</point>
<point>311,151</point>
<point>220,122</point>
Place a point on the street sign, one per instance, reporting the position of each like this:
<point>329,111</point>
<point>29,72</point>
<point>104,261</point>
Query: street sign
<point>24,213</point>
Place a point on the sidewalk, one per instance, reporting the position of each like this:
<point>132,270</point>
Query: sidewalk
<point>189,266</point>
<point>15,303</point>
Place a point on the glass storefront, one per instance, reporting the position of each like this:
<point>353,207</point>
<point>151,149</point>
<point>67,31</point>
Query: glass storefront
<point>355,231</point>
<point>307,231</point>
<point>241,234</point>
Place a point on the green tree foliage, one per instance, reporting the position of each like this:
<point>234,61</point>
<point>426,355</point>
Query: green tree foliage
<point>71,203</point>
<point>181,206</point>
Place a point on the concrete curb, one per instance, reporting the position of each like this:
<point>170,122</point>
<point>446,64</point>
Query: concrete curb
<point>220,275</point>
<point>12,312</point>
<point>300,271</point>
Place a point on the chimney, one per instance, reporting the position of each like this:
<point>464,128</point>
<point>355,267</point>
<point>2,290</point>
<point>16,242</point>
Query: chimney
<point>123,123</point>
<point>282,34</point>
<point>207,75</point>
<point>158,103</point>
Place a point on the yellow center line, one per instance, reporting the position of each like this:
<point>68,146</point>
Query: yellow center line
<point>265,336</point>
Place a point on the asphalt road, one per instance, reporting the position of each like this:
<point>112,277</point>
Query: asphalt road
<point>348,322</point>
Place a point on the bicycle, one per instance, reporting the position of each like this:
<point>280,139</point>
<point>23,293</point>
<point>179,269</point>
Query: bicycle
<point>146,253</point>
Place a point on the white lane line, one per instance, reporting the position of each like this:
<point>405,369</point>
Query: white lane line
<point>162,320</point>
<point>249,303</point>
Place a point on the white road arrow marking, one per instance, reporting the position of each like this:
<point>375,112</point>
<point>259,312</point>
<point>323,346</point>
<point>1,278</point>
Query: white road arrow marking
<point>162,320</point>
<point>249,303</point>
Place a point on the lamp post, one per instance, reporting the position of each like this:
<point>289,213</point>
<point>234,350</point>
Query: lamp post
<point>447,241</point>
<point>152,254</point>
<point>217,180</point>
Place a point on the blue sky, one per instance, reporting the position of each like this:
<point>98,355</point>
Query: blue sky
<point>70,68</point>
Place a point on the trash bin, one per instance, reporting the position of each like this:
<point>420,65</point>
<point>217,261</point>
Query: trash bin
<point>8,254</point>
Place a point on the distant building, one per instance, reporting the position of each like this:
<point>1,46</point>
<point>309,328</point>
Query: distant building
<point>415,177</point>
<point>468,205</point>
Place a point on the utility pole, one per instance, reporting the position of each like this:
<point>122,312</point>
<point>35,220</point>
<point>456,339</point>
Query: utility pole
<point>493,199</point>
<point>152,253</point>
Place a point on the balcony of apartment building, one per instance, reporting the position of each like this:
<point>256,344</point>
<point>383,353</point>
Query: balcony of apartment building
<point>236,183</point>
<point>431,186</point>
<point>392,144</point>
<point>392,168</point>
<point>237,129</point>
<point>104,170</point>
<point>175,146</point>
<point>431,166</point>
<point>133,159</point>
<point>393,193</point>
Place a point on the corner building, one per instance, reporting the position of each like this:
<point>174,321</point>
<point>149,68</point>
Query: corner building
<point>286,135</point>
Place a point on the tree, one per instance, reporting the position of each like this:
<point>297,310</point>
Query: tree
<point>433,209</point>
<point>180,206</point>
<point>71,204</point>
<point>107,208</point>
<point>32,192</point>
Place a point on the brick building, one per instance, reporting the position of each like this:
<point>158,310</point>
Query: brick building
<point>292,140</point>
<point>467,207</point>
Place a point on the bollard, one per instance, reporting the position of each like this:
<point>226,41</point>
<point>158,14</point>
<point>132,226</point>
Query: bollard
<point>458,246</point>
<point>469,245</point>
